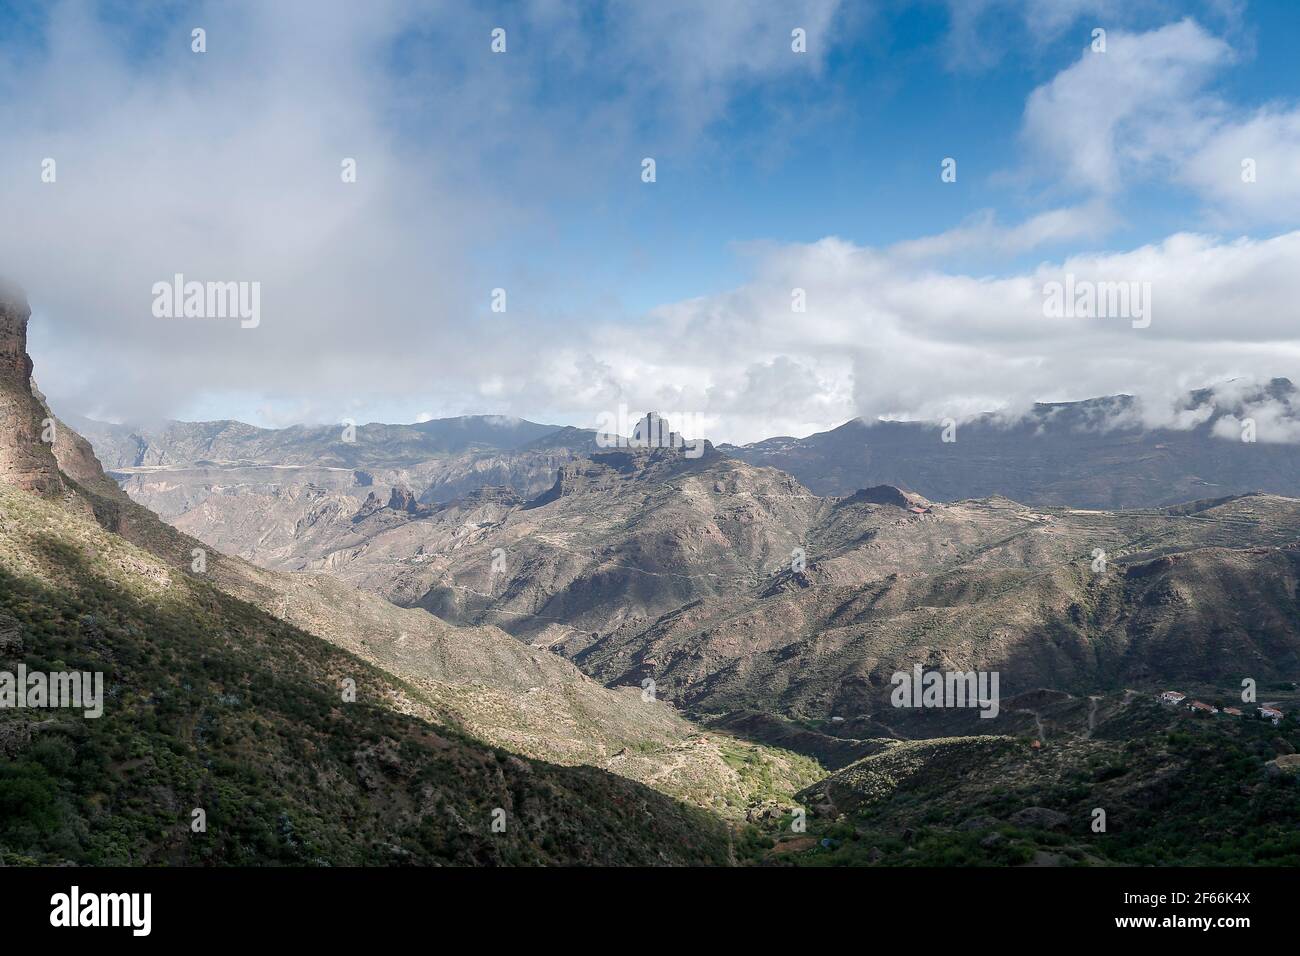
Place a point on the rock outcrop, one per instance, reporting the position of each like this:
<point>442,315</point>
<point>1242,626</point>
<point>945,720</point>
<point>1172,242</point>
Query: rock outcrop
<point>888,495</point>
<point>404,500</point>
<point>26,459</point>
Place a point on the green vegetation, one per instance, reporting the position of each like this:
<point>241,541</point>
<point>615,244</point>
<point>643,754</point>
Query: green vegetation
<point>1177,790</point>
<point>766,773</point>
<point>212,704</point>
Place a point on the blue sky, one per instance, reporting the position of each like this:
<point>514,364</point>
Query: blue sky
<point>850,147</point>
<point>775,170</point>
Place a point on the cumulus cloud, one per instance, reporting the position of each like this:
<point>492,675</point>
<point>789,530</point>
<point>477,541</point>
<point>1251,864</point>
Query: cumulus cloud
<point>887,337</point>
<point>1131,106</point>
<point>226,166</point>
<point>1143,112</point>
<point>1249,170</point>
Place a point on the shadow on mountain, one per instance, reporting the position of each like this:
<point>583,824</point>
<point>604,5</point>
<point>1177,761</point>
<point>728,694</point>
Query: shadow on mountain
<point>213,705</point>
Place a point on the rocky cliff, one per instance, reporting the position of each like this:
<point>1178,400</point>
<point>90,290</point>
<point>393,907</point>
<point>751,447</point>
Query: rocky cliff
<point>26,458</point>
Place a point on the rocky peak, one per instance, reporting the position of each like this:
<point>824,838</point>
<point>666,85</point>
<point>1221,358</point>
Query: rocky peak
<point>403,499</point>
<point>25,459</point>
<point>653,431</point>
<point>887,495</point>
<point>400,499</point>
<point>368,507</point>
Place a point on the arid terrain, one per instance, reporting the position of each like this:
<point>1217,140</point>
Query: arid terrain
<point>734,587</point>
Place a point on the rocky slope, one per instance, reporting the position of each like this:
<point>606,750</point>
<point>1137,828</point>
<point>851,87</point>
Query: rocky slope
<point>213,705</point>
<point>483,680</point>
<point>619,540</point>
<point>26,460</point>
<point>735,589</point>
<point>293,750</point>
<point>989,586</point>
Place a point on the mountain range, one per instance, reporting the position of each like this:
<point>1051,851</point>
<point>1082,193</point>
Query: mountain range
<point>644,655</point>
<point>738,588</point>
<point>1090,454</point>
<point>1097,453</point>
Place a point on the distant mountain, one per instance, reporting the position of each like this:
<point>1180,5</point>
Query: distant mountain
<point>284,477</point>
<point>1089,454</point>
<point>363,446</point>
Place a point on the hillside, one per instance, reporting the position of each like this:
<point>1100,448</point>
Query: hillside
<point>213,704</point>
<point>450,683</point>
<point>1176,790</point>
<point>479,678</point>
<point>991,586</point>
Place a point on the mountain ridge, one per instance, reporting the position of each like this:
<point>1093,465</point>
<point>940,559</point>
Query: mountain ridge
<point>1093,453</point>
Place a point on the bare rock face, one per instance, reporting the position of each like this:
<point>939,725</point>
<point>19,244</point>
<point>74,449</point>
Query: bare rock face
<point>404,500</point>
<point>887,495</point>
<point>25,460</point>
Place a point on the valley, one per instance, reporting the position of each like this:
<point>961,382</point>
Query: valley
<point>739,589</point>
<point>706,630</point>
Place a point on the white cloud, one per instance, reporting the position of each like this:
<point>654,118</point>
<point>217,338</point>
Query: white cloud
<point>226,166</point>
<point>983,236</point>
<point>1127,108</point>
<point>374,294</point>
<point>884,336</point>
<point>982,33</point>
<point>1271,423</point>
<point>1270,140</point>
<point>1143,112</point>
